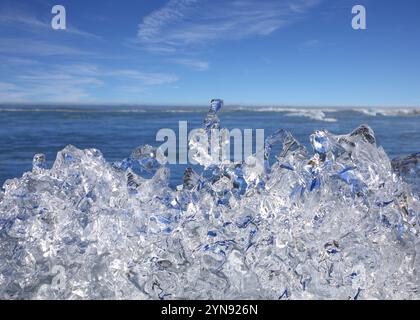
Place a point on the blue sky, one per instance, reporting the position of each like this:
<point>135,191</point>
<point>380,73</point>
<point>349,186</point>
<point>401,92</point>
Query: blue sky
<point>273,52</point>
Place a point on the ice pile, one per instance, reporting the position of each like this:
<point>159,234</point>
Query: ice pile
<point>335,222</point>
<point>409,169</point>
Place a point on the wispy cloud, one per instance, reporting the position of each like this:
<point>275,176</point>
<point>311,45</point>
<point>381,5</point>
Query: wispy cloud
<point>183,23</point>
<point>72,30</point>
<point>145,78</point>
<point>19,19</point>
<point>50,86</point>
<point>10,92</point>
<point>197,65</point>
<point>31,47</point>
<point>312,43</point>
<point>16,61</point>
<point>76,82</point>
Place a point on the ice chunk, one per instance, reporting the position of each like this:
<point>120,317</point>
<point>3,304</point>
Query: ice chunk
<point>338,223</point>
<point>205,144</point>
<point>39,163</point>
<point>191,179</point>
<point>361,135</point>
<point>364,132</point>
<point>409,169</point>
<point>212,120</point>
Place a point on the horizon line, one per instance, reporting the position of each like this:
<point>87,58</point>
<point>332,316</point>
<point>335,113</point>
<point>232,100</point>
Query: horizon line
<point>199,105</point>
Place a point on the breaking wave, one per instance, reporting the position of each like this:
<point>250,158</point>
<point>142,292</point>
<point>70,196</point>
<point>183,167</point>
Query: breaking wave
<point>388,112</point>
<point>336,222</point>
<point>318,115</point>
<point>311,113</point>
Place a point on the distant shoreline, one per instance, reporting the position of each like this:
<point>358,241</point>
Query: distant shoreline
<point>185,109</point>
<point>95,106</point>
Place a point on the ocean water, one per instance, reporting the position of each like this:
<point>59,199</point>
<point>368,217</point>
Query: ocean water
<point>26,131</point>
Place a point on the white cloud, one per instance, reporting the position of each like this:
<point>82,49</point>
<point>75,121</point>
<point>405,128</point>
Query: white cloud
<point>77,32</point>
<point>36,47</point>
<point>10,92</point>
<point>75,82</point>
<point>50,86</point>
<point>310,43</point>
<point>16,61</point>
<point>145,78</point>
<point>20,19</point>
<point>193,64</point>
<point>196,22</point>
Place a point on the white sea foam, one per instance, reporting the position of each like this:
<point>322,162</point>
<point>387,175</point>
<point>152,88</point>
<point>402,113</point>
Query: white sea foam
<point>388,111</point>
<point>318,115</point>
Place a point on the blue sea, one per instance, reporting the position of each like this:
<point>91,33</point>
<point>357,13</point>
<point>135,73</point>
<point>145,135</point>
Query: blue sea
<point>116,131</point>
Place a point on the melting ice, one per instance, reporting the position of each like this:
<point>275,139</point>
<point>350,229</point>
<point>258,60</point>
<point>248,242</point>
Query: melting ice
<point>339,221</point>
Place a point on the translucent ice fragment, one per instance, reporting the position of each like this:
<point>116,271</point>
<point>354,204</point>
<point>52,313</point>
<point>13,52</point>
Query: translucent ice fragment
<point>212,234</point>
<point>133,180</point>
<point>244,221</point>
<point>39,163</point>
<point>326,145</point>
<point>236,175</point>
<point>145,156</point>
<point>346,175</point>
<point>222,184</point>
<point>68,157</point>
<point>212,120</point>
<point>409,169</point>
<point>191,179</point>
<point>143,161</point>
<point>315,184</point>
<point>320,142</point>
<point>364,132</point>
<point>281,138</point>
<point>199,148</point>
<point>253,170</point>
<point>216,105</point>
<point>360,135</point>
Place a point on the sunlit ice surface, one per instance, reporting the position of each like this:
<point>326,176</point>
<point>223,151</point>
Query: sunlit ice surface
<point>339,221</point>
